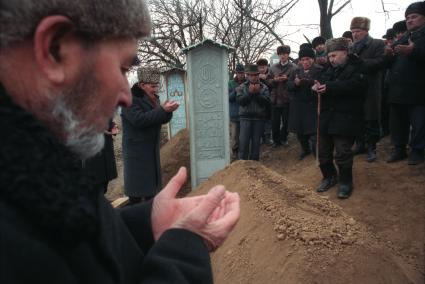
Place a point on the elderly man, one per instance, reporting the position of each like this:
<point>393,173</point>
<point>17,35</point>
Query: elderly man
<point>371,51</point>
<point>141,125</point>
<point>406,88</point>
<point>63,73</point>
<point>341,90</point>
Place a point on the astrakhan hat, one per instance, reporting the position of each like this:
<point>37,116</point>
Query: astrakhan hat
<point>334,44</point>
<point>148,75</point>
<point>361,23</point>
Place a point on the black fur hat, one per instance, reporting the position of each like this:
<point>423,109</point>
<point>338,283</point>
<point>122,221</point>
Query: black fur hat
<point>283,49</point>
<point>318,41</point>
<point>400,27</point>
<point>417,7</point>
<point>306,52</point>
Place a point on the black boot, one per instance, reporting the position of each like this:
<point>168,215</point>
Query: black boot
<point>398,154</point>
<point>305,147</point>
<point>371,153</point>
<point>345,182</point>
<point>329,177</point>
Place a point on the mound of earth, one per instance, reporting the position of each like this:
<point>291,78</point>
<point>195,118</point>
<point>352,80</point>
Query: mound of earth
<point>289,234</point>
<point>175,154</point>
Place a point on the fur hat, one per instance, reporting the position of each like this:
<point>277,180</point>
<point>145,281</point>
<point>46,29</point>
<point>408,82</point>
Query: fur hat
<point>306,52</point>
<point>318,41</point>
<point>306,45</point>
<point>334,44</point>
<point>417,7</point>
<point>262,62</point>
<point>283,49</point>
<point>400,27</point>
<point>361,23</point>
<point>252,69</point>
<point>348,34</point>
<point>148,75</point>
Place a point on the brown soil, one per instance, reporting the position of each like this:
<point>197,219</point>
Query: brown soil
<point>290,234</point>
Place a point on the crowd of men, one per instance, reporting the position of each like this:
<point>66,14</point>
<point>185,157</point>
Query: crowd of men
<point>341,95</point>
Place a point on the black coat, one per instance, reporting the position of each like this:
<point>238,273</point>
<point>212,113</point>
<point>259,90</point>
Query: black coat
<point>341,111</point>
<point>254,106</point>
<point>407,72</point>
<point>141,126</point>
<point>102,167</point>
<point>56,227</point>
<point>303,103</point>
<point>372,54</point>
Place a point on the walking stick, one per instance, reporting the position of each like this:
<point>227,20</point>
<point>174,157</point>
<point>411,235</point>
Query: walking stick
<point>318,128</point>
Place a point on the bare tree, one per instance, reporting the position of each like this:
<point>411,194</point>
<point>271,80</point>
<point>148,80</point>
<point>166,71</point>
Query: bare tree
<point>327,12</point>
<point>250,26</point>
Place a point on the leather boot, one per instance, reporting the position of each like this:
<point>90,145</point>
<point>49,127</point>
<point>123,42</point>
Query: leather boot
<point>329,177</point>
<point>398,154</point>
<point>371,153</point>
<point>345,182</point>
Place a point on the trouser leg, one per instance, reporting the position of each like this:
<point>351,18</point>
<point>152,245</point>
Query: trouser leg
<point>276,120</point>
<point>399,126</point>
<point>257,130</point>
<point>244,138</point>
<point>417,120</point>
<point>285,118</point>
<point>234,137</point>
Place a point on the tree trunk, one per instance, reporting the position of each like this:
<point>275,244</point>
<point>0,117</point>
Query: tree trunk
<point>325,20</point>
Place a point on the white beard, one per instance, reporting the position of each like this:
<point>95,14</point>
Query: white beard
<point>83,141</point>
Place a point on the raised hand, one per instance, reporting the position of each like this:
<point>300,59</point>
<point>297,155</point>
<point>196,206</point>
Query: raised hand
<point>212,216</point>
<point>170,106</point>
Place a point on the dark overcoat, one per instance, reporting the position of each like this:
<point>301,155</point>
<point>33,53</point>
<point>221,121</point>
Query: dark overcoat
<point>141,126</point>
<point>102,167</point>
<point>372,54</point>
<point>57,227</point>
<point>279,95</point>
<point>253,106</point>
<point>341,109</point>
<point>303,103</point>
<point>407,72</point>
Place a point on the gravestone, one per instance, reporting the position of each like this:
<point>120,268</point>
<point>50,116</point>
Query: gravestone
<point>207,73</point>
<point>175,88</point>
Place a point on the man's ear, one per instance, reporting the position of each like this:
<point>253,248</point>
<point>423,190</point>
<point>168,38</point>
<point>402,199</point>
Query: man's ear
<point>49,40</point>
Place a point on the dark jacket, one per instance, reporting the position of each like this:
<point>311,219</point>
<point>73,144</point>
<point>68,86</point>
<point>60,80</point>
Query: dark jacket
<point>141,126</point>
<point>56,227</point>
<point>279,95</point>
<point>342,104</point>
<point>233,104</point>
<point>372,54</point>
<point>102,167</point>
<point>407,72</point>
<point>253,105</point>
<point>303,104</point>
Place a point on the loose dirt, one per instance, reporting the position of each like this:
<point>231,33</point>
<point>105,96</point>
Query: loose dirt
<point>288,233</point>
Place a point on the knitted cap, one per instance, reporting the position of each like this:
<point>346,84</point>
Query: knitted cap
<point>148,75</point>
<point>240,68</point>
<point>361,23</point>
<point>400,27</point>
<point>262,62</point>
<point>334,44</point>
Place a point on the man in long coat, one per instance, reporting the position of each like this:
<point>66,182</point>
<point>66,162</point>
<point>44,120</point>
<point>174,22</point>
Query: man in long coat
<point>141,124</point>
<point>303,104</point>
<point>371,51</point>
<point>341,90</point>
<point>406,88</point>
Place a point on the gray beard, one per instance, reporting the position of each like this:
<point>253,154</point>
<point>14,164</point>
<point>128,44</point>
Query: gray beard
<point>83,141</point>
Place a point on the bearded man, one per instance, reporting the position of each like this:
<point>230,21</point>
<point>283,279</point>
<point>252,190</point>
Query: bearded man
<point>62,75</point>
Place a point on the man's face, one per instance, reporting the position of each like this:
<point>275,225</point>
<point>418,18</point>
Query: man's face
<point>337,57</point>
<point>262,69</point>
<point>414,22</point>
<point>254,78</point>
<point>84,108</point>
<point>358,34</point>
<point>320,48</point>
<point>306,62</point>
<point>150,88</point>
<point>240,76</point>
<point>283,57</point>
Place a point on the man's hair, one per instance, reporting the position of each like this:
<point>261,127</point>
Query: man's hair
<point>93,19</point>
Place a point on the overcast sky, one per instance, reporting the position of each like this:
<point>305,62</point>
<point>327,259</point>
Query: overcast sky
<point>307,12</point>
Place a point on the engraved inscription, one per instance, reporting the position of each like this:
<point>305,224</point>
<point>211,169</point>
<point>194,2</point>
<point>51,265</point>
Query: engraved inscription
<point>209,136</point>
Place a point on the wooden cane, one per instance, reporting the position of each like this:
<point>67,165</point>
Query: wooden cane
<point>318,128</point>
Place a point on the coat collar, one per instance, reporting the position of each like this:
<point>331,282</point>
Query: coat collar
<point>42,180</point>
